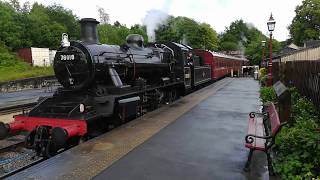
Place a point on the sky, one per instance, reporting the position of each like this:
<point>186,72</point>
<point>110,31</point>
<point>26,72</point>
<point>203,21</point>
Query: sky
<point>218,13</point>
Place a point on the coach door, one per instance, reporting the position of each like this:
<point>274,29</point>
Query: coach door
<point>202,72</point>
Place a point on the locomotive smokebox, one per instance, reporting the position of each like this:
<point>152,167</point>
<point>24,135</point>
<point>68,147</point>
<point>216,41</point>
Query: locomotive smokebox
<point>89,32</point>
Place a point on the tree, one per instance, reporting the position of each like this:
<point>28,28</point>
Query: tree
<point>244,37</point>
<point>306,24</point>
<point>16,5</point>
<point>138,29</point>
<point>167,31</point>
<point>237,35</point>
<point>116,34</point>
<point>26,7</point>
<point>104,17</point>
<point>209,39</point>
<point>65,18</point>
<point>188,31</point>
<point>10,30</point>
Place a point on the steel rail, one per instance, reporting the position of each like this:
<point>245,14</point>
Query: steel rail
<point>16,108</point>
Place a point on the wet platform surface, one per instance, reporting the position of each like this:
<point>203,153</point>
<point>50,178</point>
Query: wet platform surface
<point>201,136</point>
<point>205,143</point>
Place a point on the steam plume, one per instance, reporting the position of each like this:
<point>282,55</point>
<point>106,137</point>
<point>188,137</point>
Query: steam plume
<point>152,20</point>
<point>155,18</point>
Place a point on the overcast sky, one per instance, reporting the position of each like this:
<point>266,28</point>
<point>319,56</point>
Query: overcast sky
<point>218,13</point>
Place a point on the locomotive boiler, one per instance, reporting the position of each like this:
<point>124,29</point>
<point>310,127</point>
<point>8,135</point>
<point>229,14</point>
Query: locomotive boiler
<point>104,86</point>
<point>88,63</point>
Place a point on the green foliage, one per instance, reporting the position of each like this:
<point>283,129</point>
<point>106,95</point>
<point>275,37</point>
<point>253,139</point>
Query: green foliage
<point>23,71</point>
<point>263,80</point>
<point>37,26</point>
<point>244,37</point>
<point>12,68</point>
<point>10,30</point>
<point>305,25</point>
<point>235,37</point>
<point>298,147</point>
<point>208,37</point>
<point>116,34</point>
<point>188,31</point>
<point>263,71</point>
<point>263,77</point>
<point>267,94</point>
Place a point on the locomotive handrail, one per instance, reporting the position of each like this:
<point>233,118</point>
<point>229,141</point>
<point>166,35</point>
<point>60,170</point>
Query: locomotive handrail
<point>167,48</point>
<point>118,57</point>
<point>103,52</point>
<point>73,110</point>
<point>134,64</point>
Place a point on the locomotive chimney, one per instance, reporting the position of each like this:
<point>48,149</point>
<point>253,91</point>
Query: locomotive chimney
<point>89,32</point>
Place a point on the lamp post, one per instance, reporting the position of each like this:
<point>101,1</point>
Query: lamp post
<point>271,25</point>
<point>263,63</point>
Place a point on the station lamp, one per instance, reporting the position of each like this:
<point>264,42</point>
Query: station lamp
<point>271,25</point>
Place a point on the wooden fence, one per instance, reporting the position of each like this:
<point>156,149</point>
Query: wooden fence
<point>304,75</point>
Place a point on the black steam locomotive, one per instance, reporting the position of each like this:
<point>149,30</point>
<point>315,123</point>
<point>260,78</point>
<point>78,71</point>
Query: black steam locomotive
<point>105,86</point>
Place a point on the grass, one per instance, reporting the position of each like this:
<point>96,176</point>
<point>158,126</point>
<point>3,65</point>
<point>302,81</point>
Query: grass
<point>13,68</point>
<point>23,71</point>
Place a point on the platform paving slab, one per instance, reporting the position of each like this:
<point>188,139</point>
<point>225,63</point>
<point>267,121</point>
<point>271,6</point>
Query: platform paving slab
<point>205,143</point>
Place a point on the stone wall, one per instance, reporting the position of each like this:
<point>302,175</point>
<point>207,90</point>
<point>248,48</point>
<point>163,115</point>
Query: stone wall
<point>29,83</point>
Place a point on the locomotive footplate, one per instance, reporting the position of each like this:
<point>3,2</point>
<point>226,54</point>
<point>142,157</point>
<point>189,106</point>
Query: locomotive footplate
<point>88,159</point>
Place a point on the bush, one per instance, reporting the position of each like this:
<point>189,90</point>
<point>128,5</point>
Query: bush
<point>298,151</point>
<point>263,80</point>
<point>263,76</point>
<point>267,94</point>
<point>298,147</point>
<point>262,72</point>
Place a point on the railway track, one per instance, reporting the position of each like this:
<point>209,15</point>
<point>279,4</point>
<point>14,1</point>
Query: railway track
<point>11,142</point>
<point>14,157</point>
<point>16,108</point>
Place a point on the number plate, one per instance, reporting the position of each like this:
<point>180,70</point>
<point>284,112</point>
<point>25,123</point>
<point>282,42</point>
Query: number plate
<point>67,57</point>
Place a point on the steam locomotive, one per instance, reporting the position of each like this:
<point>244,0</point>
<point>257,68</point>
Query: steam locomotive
<point>106,85</point>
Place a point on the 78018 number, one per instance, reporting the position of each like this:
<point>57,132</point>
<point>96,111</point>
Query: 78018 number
<point>67,57</point>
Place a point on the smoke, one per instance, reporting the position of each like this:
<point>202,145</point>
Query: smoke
<point>155,18</point>
<point>241,47</point>
<point>250,26</point>
<point>184,39</point>
<point>152,21</point>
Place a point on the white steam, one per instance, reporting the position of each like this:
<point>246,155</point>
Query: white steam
<point>250,26</point>
<point>155,18</point>
<point>152,21</point>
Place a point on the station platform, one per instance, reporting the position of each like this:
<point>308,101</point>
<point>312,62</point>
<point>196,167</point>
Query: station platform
<point>22,97</point>
<point>200,136</point>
